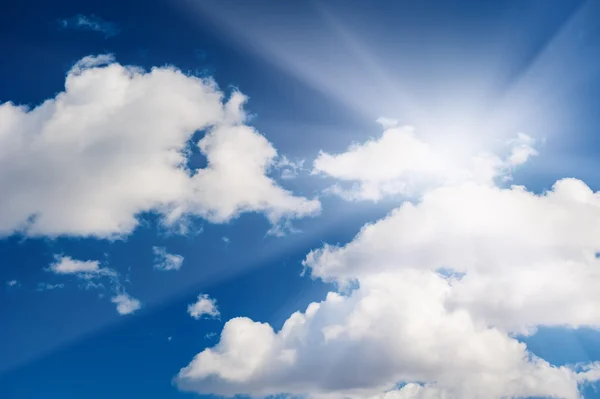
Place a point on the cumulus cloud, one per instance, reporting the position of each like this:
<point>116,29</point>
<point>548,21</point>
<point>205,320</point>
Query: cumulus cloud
<point>12,283</point>
<point>204,306</point>
<point>525,259</point>
<point>126,304</point>
<point>115,143</point>
<point>394,328</point>
<point>91,23</point>
<point>401,163</point>
<point>166,261</point>
<point>432,299</point>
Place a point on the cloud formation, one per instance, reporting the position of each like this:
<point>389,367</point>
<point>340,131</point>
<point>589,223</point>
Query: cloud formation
<point>203,307</point>
<point>115,143</point>
<point>84,269</point>
<point>126,304</point>
<point>401,163</point>
<point>431,297</point>
<point>90,23</point>
<point>166,261</point>
<point>91,273</point>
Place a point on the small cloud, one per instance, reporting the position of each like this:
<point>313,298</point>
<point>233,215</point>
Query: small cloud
<point>166,261</point>
<point>87,269</point>
<point>68,265</point>
<point>289,169</point>
<point>521,149</point>
<point>126,304</point>
<point>91,274</point>
<point>49,287</point>
<point>204,306</point>
<point>169,339</point>
<point>91,285</point>
<point>282,229</point>
<point>210,335</point>
<point>225,240</point>
<point>13,283</point>
<point>90,23</point>
<point>387,123</point>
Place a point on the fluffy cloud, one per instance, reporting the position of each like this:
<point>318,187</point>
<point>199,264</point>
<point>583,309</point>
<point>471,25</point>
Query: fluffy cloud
<point>115,143</point>
<point>394,328</point>
<point>166,261</point>
<point>126,304</point>
<point>432,296</point>
<point>527,259</point>
<point>204,306</point>
<point>400,163</point>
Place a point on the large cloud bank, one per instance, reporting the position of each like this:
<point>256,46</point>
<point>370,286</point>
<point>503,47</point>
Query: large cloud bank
<point>431,297</point>
<point>115,143</point>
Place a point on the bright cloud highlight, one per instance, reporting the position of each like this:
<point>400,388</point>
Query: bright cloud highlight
<point>401,163</point>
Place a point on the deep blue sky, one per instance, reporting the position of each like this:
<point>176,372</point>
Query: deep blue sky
<point>69,343</point>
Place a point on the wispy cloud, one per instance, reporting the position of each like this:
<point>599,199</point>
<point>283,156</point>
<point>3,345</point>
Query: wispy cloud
<point>289,169</point>
<point>90,23</point>
<point>166,261</point>
<point>49,287</point>
<point>90,273</point>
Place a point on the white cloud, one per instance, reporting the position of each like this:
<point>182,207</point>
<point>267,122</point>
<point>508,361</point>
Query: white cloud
<point>12,283</point>
<point>126,304</point>
<point>522,149</point>
<point>528,259</point>
<point>401,163</point>
<point>166,261</point>
<point>90,273</point>
<point>394,328</point>
<point>204,306</point>
<point>83,269</point>
<point>432,295</point>
<point>387,123</point>
<point>114,143</point>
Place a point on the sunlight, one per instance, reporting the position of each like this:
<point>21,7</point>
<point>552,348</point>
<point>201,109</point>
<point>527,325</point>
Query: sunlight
<point>458,97</point>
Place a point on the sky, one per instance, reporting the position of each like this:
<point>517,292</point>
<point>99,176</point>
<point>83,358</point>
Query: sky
<point>312,199</point>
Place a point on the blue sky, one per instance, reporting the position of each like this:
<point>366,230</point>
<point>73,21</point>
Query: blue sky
<point>424,171</point>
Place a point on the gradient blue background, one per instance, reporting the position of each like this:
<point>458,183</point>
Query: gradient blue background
<point>68,343</point>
